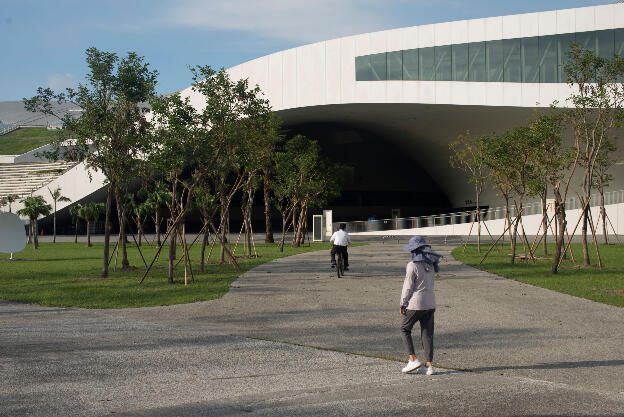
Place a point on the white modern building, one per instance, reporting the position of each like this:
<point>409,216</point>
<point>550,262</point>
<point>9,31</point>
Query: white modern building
<point>390,102</point>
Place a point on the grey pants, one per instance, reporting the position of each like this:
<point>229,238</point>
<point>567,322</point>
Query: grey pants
<point>425,317</point>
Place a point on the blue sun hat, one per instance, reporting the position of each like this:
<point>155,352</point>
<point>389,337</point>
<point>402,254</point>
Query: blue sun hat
<point>422,252</point>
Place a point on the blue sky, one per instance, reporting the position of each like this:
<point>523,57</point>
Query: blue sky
<point>43,41</point>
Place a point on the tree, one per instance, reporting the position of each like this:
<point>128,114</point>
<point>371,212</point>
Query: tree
<point>207,206</point>
<point>231,107</point>
<point>304,180</point>
<point>177,141</point>
<point>74,212</point>
<point>158,198</point>
<point>598,109</point>
<point>9,199</point>
<point>602,178</point>
<point>468,154</point>
<point>109,132</point>
<point>511,159</point>
<point>260,139</point>
<point>90,212</point>
<point>34,206</point>
<point>56,196</point>
<point>139,210</point>
<point>556,165</point>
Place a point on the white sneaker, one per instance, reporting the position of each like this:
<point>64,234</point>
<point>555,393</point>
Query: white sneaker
<point>430,371</point>
<point>411,366</point>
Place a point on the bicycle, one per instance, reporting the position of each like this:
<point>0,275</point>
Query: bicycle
<point>339,264</point>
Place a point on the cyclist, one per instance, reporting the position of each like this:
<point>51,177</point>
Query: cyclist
<point>341,240</point>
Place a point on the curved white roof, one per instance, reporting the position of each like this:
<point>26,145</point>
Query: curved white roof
<point>323,73</point>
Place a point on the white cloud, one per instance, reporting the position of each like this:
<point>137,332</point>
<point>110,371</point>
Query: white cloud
<point>59,82</point>
<point>292,20</point>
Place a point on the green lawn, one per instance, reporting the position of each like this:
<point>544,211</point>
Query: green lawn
<point>23,140</point>
<point>68,275</point>
<point>606,286</point>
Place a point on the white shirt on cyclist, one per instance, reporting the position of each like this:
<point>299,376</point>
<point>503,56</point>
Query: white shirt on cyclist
<point>340,238</point>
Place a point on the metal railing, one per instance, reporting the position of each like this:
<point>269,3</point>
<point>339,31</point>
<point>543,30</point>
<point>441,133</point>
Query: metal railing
<point>7,128</point>
<point>461,217</point>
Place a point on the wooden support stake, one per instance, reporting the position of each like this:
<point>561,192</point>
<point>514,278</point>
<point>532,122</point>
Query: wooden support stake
<point>591,224</point>
<point>499,238</point>
<point>469,234</point>
<point>612,228</point>
<point>574,231</point>
<point>570,251</point>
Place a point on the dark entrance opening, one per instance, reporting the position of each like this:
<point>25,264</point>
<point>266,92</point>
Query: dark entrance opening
<point>384,177</point>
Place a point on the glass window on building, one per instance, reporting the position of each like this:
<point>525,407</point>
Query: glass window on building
<point>363,69</point>
<point>476,61</point>
<point>460,62</point>
<point>426,64</point>
<point>548,59</point>
<point>512,63</point>
<point>410,64</point>
<point>605,44</point>
<point>443,63</point>
<point>494,59</point>
<point>564,41</point>
<point>378,63</point>
<point>619,42</point>
<point>530,60</point>
<point>587,40</point>
<point>395,65</point>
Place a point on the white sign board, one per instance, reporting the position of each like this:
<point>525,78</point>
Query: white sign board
<point>317,228</point>
<point>12,233</point>
<point>550,206</point>
<point>327,217</point>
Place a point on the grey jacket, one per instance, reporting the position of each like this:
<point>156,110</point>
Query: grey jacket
<point>418,293</point>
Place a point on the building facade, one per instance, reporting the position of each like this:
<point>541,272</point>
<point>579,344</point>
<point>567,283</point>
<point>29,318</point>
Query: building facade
<point>390,102</point>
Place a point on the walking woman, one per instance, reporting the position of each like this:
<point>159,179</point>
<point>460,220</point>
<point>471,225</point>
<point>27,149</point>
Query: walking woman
<point>418,301</point>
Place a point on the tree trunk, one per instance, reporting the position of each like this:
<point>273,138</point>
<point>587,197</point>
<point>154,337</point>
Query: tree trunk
<point>513,239</point>
<point>286,214</point>
<point>295,224</point>
<point>223,237</point>
<point>76,235</point>
<point>303,224</point>
<point>88,233</point>
<point>172,245</point>
<point>281,245</point>
<point>507,218</point>
<point>248,238</point>
<point>561,224</point>
<point>140,230</point>
<point>54,222</point>
<point>107,230</point>
<point>158,226</point>
<point>595,239</point>
<point>478,225</point>
<point>35,234</point>
<point>603,213</point>
<point>204,244</point>
<point>268,238</point>
<point>121,214</point>
<point>545,223</point>
<point>586,260</point>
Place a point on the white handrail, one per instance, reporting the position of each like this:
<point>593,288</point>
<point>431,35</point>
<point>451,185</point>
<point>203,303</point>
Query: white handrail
<point>492,213</point>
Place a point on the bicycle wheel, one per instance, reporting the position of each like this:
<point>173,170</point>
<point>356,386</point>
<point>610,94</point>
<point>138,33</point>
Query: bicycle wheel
<point>339,265</point>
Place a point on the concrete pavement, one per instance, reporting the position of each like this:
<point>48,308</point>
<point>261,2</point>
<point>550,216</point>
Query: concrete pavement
<point>291,339</point>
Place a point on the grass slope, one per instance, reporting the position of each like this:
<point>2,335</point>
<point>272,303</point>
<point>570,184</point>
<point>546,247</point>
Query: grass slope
<point>606,286</point>
<point>23,140</point>
<point>68,275</point>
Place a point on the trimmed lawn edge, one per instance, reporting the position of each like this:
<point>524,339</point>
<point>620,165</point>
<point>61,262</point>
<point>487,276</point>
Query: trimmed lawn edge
<point>606,286</point>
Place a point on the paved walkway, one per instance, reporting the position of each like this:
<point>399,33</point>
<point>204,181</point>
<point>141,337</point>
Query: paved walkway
<point>291,339</point>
